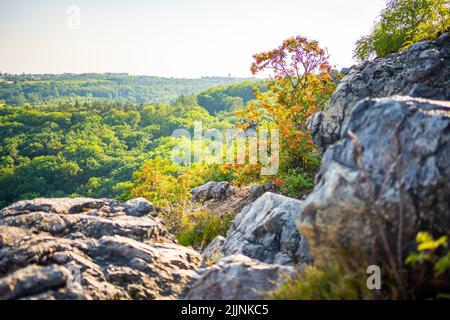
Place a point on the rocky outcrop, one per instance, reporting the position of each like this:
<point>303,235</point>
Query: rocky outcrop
<point>423,70</point>
<point>266,231</point>
<point>84,217</point>
<point>238,277</point>
<point>89,249</point>
<point>36,282</point>
<point>390,171</point>
<point>139,207</point>
<point>259,251</point>
<point>212,191</point>
<point>223,199</point>
<point>60,205</point>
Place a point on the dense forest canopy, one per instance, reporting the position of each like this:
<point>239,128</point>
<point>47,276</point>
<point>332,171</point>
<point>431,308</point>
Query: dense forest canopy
<point>91,148</point>
<point>229,97</point>
<point>37,89</point>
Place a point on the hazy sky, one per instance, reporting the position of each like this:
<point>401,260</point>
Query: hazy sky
<point>180,38</point>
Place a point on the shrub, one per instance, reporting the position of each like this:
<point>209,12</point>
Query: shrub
<point>199,228</point>
<point>169,186</point>
<point>159,180</point>
<point>402,23</point>
<point>296,181</point>
<point>301,83</point>
<point>329,282</point>
<point>429,268</point>
<point>243,174</point>
<point>425,275</point>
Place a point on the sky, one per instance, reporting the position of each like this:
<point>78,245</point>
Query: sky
<point>171,38</point>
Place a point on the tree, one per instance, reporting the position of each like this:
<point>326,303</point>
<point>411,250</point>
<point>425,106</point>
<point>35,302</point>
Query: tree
<point>301,83</point>
<point>402,23</point>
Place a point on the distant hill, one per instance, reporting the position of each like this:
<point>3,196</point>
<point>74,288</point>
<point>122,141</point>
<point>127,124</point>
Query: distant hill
<point>229,97</point>
<point>41,88</point>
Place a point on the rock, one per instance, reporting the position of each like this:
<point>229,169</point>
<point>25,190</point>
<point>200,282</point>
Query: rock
<point>222,199</point>
<point>423,70</point>
<point>71,250</point>
<point>345,71</point>
<point>238,277</point>
<point>404,163</point>
<point>234,203</point>
<point>266,231</point>
<point>213,252</point>
<point>36,279</point>
<point>212,191</point>
<point>154,270</point>
<point>139,207</point>
<point>77,216</point>
<point>56,205</point>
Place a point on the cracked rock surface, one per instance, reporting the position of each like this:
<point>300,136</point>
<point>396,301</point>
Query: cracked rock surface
<point>89,249</point>
<point>422,70</point>
<point>396,162</point>
<point>266,231</point>
<point>238,277</point>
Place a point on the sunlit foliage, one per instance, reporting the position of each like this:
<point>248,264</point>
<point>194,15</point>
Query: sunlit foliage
<point>199,228</point>
<point>402,23</point>
<point>301,82</point>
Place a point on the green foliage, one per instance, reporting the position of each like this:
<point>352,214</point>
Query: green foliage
<point>296,182</point>
<point>92,149</point>
<point>39,89</point>
<point>428,251</point>
<point>167,184</point>
<point>341,274</point>
<point>301,82</point>
<point>402,23</point>
<point>199,228</point>
<point>329,282</point>
<point>228,98</point>
<point>427,270</point>
<point>159,181</point>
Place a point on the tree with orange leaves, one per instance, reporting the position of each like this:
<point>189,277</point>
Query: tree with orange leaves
<point>301,81</point>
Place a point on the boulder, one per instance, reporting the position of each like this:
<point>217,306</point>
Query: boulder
<point>266,231</point>
<point>390,172</point>
<point>422,70</point>
<point>34,280</point>
<point>238,277</point>
<point>212,191</point>
<point>139,207</point>
<point>71,250</point>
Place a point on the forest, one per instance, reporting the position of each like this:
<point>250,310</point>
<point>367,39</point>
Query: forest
<point>91,148</point>
<point>41,88</point>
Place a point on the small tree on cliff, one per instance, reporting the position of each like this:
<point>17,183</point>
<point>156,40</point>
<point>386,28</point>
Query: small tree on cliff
<point>301,81</point>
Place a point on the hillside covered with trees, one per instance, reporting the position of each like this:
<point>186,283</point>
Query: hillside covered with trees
<point>92,148</point>
<point>42,88</point>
